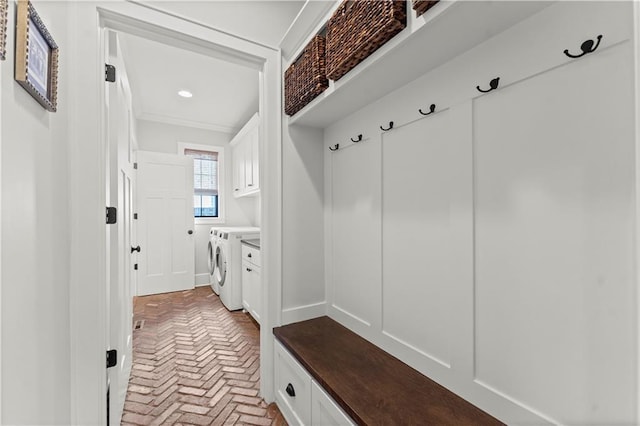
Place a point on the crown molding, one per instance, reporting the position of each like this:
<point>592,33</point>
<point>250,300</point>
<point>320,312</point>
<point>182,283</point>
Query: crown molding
<point>165,119</point>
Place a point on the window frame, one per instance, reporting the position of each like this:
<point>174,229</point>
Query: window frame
<point>222,201</point>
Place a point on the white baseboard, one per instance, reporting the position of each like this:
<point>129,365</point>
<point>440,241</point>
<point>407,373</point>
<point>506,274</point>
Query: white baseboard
<point>303,313</point>
<point>202,280</point>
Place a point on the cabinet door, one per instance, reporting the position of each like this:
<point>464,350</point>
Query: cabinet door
<point>256,293</point>
<point>554,231</point>
<point>248,162</point>
<point>247,288</point>
<point>238,164</point>
<point>324,411</point>
<point>292,387</point>
<point>255,158</point>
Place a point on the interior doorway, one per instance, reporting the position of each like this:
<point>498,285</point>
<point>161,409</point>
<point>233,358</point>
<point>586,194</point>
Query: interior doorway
<point>263,62</point>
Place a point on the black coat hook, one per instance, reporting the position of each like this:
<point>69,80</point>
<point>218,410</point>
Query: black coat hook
<point>432,108</point>
<point>493,85</point>
<point>389,128</point>
<point>586,47</point>
<point>357,140</point>
<point>335,147</point>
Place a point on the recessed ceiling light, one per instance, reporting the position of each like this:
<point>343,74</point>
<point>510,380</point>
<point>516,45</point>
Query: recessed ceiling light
<point>185,94</point>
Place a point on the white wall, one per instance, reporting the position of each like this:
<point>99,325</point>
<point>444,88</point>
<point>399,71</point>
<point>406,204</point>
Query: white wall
<point>303,240</point>
<point>243,18</point>
<point>35,241</point>
<point>161,137</point>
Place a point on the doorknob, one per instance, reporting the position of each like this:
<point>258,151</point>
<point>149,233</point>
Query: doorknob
<point>135,249</point>
<point>190,231</point>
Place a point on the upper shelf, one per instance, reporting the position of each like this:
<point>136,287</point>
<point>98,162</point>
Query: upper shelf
<point>447,30</point>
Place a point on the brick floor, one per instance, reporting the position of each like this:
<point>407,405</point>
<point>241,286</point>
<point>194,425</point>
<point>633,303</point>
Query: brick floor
<point>194,362</point>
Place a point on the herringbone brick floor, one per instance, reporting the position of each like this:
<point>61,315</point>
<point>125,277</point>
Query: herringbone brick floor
<point>194,362</point>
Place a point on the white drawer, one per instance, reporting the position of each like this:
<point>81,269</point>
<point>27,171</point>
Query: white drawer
<point>294,403</point>
<point>251,254</point>
<point>324,411</point>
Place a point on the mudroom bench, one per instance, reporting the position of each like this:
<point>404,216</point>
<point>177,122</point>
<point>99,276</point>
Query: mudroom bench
<point>326,374</point>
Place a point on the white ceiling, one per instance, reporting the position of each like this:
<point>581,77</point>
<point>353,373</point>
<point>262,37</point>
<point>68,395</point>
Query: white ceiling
<point>225,95</point>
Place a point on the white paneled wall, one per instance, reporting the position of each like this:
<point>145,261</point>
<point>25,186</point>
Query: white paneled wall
<point>355,227</point>
<point>490,245</point>
<point>554,224</point>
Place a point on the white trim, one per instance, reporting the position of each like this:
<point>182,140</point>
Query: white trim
<point>202,280</point>
<point>222,170</point>
<point>87,188</point>
<point>87,159</point>
<point>0,256</point>
<point>312,16</point>
<point>636,51</point>
<point>303,313</point>
<point>202,24</point>
<point>166,119</point>
<point>270,147</point>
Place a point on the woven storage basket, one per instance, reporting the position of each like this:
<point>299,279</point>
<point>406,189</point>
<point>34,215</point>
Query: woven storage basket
<point>306,78</point>
<point>421,6</point>
<point>358,28</point>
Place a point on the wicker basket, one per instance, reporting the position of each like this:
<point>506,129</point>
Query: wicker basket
<point>421,6</point>
<point>358,28</point>
<point>306,78</point>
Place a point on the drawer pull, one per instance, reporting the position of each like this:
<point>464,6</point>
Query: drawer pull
<point>249,255</point>
<point>248,270</point>
<point>290,391</point>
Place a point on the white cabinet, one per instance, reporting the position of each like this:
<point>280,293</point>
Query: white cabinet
<point>324,411</point>
<point>301,399</point>
<point>293,388</point>
<point>245,159</point>
<point>251,288</point>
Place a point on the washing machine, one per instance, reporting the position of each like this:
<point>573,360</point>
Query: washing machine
<point>228,269</point>
<point>211,256</point>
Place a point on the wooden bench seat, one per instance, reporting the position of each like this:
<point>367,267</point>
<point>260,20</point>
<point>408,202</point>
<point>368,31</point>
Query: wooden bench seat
<point>370,385</point>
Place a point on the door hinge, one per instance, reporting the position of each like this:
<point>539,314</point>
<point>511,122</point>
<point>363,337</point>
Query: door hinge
<point>112,215</point>
<point>112,358</point>
<point>135,266</point>
<point>135,215</point>
<point>135,166</point>
<point>109,73</point>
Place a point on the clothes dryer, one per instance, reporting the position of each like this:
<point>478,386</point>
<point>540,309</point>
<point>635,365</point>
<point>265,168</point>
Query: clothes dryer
<point>211,256</point>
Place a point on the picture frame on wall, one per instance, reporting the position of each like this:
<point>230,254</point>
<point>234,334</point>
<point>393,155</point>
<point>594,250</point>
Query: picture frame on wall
<point>36,57</point>
<point>4,10</point>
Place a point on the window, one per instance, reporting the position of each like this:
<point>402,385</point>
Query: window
<point>207,194</point>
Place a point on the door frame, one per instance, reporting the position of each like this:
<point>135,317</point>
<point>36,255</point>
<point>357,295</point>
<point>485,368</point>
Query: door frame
<point>636,52</point>
<point>88,287</point>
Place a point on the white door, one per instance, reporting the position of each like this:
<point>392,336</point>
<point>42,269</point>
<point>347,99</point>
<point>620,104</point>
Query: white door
<point>165,223</point>
<point>121,177</point>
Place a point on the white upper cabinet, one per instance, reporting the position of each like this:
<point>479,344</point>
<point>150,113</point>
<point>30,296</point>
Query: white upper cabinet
<point>245,153</point>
